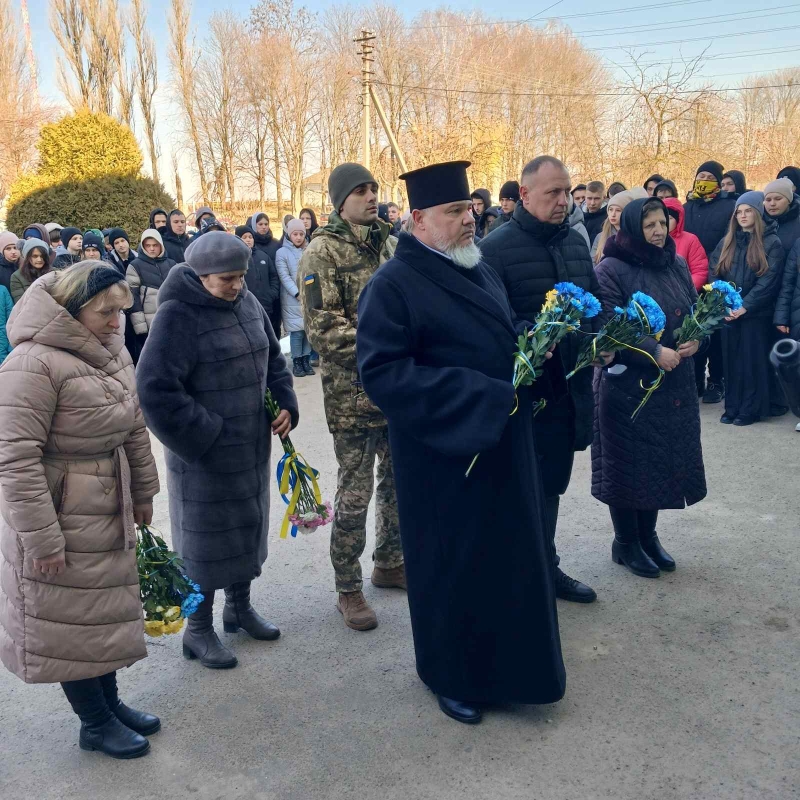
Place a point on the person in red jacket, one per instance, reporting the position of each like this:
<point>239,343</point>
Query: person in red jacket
<point>687,244</point>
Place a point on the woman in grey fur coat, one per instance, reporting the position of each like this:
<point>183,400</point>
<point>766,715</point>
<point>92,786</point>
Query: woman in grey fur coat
<point>209,358</point>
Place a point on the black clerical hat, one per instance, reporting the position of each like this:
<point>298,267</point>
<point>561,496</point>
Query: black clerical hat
<point>437,184</point>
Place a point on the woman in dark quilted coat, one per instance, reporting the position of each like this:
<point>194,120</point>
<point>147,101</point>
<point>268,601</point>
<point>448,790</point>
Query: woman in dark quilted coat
<point>656,461</point>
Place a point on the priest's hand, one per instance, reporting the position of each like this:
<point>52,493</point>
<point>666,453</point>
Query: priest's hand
<point>282,425</point>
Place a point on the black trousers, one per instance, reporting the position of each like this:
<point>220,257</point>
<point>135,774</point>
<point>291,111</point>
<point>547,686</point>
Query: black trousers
<point>631,523</point>
<point>716,366</point>
<point>93,698</point>
<point>555,438</point>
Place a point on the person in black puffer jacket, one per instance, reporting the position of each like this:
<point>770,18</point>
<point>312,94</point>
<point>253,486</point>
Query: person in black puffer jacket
<point>259,274</point>
<point>531,253</point>
<point>655,461</point>
<point>751,257</point>
<point>782,206</point>
<point>174,236</point>
<point>787,309</point>
<point>144,275</point>
<point>708,212</point>
<point>72,240</point>
<point>733,183</point>
<point>268,244</point>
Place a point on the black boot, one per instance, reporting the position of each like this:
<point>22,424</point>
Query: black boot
<point>100,729</point>
<point>307,365</point>
<point>139,721</point>
<point>112,738</point>
<point>647,536</point>
<point>238,613</point>
<point>626,548</point>
<point>298,369</point>
<point>201,640</point>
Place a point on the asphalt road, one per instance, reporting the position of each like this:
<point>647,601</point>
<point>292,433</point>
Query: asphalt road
<point>687,687</point>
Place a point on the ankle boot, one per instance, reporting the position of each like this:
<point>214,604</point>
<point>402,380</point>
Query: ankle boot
<point>652,547</point>
<point>298,370</point>
<point>112,738</point>
<point>627,549</point>
<point>139,721</point>
<point>201,640</point>
<point>307,365</point>
<point>238,613</point>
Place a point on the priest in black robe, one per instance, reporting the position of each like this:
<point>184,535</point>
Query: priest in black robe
<point>436,341</point>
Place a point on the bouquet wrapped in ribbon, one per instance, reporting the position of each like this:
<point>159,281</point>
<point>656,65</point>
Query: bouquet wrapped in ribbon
<point>565,306</point>
<point>298,485</point>
<point>716,303</point>
<point>168,596</point>
<point>624,330</point>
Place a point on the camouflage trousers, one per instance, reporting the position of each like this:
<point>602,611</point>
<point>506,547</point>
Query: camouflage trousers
<point>356,452</point>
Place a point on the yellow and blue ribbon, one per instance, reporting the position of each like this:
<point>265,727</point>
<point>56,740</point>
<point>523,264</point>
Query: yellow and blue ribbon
<point>288,472</point>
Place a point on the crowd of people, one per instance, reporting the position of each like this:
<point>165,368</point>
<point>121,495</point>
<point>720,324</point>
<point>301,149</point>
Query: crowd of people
<point>413,319</point>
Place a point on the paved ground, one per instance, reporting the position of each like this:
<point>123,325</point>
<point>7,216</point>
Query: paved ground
<point>683,688</point>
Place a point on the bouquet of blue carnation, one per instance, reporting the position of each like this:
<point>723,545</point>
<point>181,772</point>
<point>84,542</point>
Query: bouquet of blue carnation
<point>716,303</point>
<point>168,596</point>
<point>641,317</point>
<point>565,307</point>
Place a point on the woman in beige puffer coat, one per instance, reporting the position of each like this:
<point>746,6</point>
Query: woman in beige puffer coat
<point>75,471</point>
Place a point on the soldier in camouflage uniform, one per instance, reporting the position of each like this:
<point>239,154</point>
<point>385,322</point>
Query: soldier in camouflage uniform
<point>341,257</point>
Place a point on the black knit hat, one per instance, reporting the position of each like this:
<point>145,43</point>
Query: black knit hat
<point>117,233</point>
<point>67,233</point>
<point>241,230</point>
<point>93,240</point>
<point>344,179</point>
<point>714,167</point>
<point>99,280</point>
<point>510,191</point>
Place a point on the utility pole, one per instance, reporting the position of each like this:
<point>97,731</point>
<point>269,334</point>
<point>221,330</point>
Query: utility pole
<point>366,39</point>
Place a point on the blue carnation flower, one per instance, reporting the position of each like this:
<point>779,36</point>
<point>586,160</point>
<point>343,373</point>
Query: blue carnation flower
<point>191,604</point>
<point>591,305</point>
<point>619,311</point>
<point>656,318</point>
<point>733,299</point>
<point>569,289</point>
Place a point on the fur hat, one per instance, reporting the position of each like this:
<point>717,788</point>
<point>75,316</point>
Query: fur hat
<point>215,252</point>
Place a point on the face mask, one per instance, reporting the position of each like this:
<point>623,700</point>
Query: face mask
<point>705,188</point>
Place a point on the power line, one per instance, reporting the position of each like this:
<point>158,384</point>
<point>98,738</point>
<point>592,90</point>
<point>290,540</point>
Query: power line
<point>513,22</point>
<point>501,93</point>
<point>724,56</point>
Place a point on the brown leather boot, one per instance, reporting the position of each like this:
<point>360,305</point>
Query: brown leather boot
<point>356,611</point>
<point>394,578</point>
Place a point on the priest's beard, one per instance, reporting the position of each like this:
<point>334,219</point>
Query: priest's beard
<point>466,256</point>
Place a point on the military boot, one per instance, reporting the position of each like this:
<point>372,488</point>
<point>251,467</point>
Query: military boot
<point>394,578</point>
<point>298,370</point>
<point>307,365</point>
<point>356,611</point>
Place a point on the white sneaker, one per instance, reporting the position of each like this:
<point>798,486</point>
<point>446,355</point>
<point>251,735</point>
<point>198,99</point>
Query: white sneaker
<point>797,427</point>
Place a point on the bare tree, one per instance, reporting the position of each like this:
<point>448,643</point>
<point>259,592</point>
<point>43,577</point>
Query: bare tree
<point>68,23</point>
<point>146,74</point>
<point>22,114</point>
<point>178,181</point>
<point>183,67</point>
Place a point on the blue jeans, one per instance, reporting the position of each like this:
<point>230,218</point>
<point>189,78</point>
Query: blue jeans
<point>299,344</point>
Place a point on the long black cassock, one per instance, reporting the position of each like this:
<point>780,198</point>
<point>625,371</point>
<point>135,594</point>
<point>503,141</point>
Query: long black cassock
<point>435,349</point>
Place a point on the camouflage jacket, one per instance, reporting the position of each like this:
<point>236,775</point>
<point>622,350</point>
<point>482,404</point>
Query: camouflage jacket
<point>335,267</point>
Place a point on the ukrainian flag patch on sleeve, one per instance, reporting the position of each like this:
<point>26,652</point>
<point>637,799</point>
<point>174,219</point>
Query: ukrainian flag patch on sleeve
<point>313,292</point>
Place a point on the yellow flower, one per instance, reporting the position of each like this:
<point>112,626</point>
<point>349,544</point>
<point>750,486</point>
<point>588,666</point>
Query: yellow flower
<point>659,335</point>
<point>174,627</point>
<point>172,613</point>
<point>708,287</point>
<point>154,627</point>
<point>550,298</point>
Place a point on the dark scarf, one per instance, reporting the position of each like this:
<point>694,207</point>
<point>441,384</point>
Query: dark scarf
<point>630,246</point>
<point>262,239</point>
